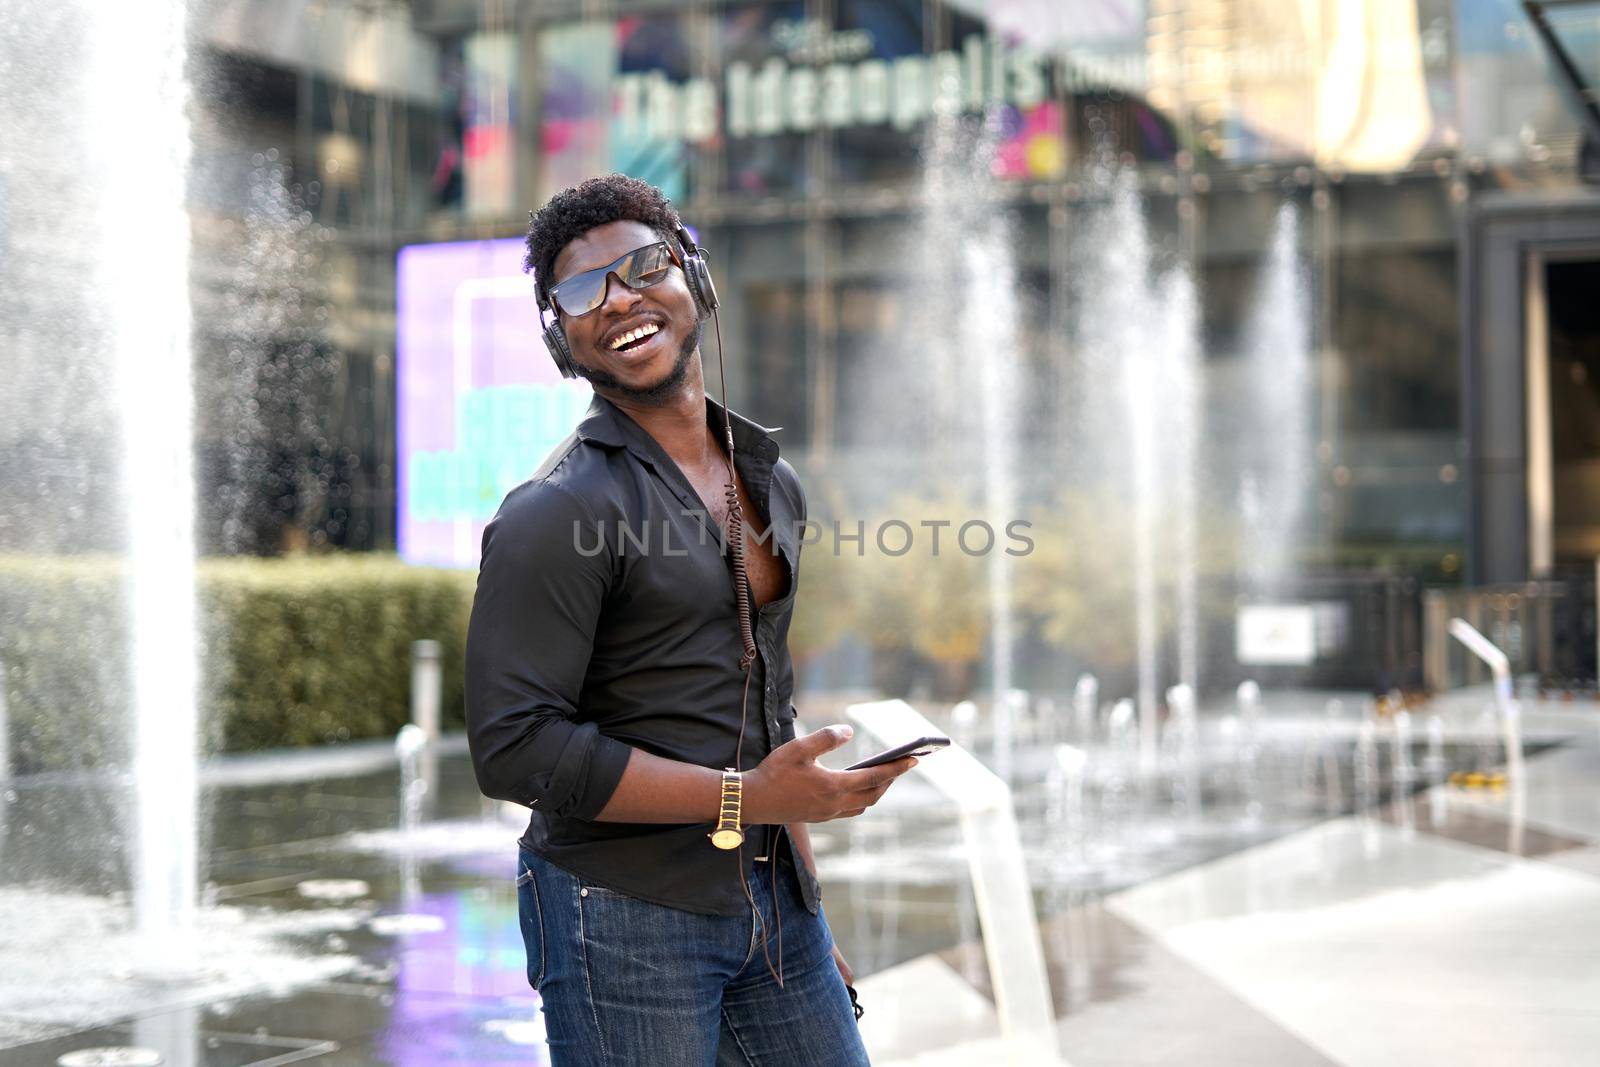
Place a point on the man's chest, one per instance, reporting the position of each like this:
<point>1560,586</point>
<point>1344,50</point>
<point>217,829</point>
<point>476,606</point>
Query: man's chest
<point>665,527</point>
<point>763,551</point>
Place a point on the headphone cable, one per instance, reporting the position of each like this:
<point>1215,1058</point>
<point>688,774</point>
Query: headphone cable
<point>747,656</point>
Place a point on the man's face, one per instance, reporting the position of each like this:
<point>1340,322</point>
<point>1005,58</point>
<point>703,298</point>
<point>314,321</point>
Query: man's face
<point>646,371</point>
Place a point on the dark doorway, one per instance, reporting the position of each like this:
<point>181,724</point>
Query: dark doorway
<point>1573,291</point>
<point>1530,262</point>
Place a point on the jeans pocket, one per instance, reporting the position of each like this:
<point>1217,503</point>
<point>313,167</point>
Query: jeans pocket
<point>532,921</point>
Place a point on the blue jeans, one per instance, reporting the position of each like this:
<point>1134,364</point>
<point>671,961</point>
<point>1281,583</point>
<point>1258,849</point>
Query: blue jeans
<point>624,981</point>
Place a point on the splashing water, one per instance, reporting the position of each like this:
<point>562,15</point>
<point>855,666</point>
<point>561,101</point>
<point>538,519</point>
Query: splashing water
<point>1275,468</point>
<point>960,217</point>
<point>1139,405</point>
<point>141,134</point>
<point>1179,353</point>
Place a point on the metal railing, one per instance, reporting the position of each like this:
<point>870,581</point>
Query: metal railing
<point>1546,628</point>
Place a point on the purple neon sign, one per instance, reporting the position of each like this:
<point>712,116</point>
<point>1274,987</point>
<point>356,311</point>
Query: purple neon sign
<point>480,403</point>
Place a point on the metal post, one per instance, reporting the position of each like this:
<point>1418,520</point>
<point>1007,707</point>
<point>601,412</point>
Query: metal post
<point>427,688</point>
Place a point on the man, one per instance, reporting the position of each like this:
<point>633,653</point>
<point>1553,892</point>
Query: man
<point>610,683</point>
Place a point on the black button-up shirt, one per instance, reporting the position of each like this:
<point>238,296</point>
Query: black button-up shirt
<point>605,618</point>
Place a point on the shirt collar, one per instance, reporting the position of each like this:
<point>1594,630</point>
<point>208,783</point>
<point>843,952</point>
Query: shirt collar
<point>749,437</point>
<point>605,424</point>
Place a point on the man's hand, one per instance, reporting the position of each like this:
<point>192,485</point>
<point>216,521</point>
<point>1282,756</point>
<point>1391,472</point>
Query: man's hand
<point>844,968</point>
<point>790,786</point>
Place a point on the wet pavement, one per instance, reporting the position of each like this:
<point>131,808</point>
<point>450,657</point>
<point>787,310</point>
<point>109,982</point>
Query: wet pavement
<point>331,937</point>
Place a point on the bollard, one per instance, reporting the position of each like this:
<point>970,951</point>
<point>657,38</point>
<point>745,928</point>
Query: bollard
<point>427,688</point>
<point>427,685</point>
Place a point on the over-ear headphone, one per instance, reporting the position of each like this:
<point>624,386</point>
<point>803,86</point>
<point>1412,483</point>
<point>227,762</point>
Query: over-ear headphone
<point>695,273</point>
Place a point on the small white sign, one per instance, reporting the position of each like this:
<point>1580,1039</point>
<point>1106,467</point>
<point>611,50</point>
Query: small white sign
<point>1276,635</point>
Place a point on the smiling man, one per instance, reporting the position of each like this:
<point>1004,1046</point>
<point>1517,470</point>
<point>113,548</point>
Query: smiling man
<point>637,697</point>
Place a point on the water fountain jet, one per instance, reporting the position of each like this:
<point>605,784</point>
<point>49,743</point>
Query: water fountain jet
<point>1276,469</point>
<point>1183,736</point>
<point>962,215</point>
<point>1138,412</point>
<point>140,98</point>
<point>1085,701</point>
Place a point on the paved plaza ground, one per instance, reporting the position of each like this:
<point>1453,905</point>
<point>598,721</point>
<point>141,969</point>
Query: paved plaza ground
<point>1434,929</point>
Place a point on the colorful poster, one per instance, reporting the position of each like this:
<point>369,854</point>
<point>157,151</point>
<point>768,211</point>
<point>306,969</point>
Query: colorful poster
<point>617,97</point>
<point>579,63</point>
<point>653,84</point>
<point>489,123</point>
<point>480,404</point>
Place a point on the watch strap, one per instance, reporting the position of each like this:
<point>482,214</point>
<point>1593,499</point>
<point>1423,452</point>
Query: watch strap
<point>730,806</point>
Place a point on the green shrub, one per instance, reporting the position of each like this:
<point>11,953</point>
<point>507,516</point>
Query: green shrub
<point>63,644</point>
<point>293,652</point>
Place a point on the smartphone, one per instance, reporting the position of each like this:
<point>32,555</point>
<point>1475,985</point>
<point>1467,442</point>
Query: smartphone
<point>920,747</point>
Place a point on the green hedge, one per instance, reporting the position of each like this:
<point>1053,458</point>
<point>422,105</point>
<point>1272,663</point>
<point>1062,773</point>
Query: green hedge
<point>293,652</point>
<point>62,644</point>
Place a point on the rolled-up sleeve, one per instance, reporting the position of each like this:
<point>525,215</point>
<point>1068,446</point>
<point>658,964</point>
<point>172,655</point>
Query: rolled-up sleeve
<point>544,576</point>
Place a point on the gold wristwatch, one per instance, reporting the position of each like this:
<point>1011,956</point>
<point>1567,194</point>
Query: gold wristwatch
<point>728,834</point>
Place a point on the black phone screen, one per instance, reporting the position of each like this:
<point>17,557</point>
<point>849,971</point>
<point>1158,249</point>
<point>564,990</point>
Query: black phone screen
<point>920,747</point>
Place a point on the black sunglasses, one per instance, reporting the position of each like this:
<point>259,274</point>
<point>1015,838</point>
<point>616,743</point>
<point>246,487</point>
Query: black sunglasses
<point>639,269</point>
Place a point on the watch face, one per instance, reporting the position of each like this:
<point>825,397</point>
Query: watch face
<point>727,838</point>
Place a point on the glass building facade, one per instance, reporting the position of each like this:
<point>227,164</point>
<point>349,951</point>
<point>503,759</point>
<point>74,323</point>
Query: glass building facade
<point>1427,153</point>
<point>791,135</point>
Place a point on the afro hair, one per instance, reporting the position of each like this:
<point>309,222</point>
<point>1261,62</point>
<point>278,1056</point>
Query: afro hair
<point>593,202</point>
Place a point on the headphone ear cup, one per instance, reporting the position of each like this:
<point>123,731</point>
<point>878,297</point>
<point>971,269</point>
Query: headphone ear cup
<point>555,339</point>
<point>698,277</point>
<point>704,291</point>
<point>697,274</point>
